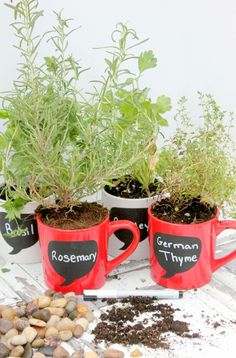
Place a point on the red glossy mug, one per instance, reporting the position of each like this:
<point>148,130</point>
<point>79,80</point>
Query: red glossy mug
<point>74,260</point>
<point>182,256</point>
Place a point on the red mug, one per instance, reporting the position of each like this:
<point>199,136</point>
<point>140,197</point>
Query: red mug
<point>74,260</point>
<point>182,256</point>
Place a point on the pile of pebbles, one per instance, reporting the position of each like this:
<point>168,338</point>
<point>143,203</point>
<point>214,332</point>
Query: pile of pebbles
<point>37,329</point>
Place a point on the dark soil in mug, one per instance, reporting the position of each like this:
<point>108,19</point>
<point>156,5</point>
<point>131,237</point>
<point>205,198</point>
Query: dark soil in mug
<point>78,217</point>
<point>130,188</point>
<point>191,211</point>
<point>118,324</point>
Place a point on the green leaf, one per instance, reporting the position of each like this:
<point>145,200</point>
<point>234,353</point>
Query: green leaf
<point>146,60</point>
<point>14,207</point>
<point>51,63</point>
<point>162,121</point>
<point>4,270</point>
<point>4,114</point>
<point>163,104</point>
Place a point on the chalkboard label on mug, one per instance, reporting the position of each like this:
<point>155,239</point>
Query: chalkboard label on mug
<point>139,216</point>
<point>21,233</point>
<point>72,260</point>
<point>176,254</point>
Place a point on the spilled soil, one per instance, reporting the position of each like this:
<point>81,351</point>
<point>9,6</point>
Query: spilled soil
<point>118,324</point>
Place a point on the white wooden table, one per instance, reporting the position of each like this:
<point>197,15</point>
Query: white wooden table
<point>202,309</point>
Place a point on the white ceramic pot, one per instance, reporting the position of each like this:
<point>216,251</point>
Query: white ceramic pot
<point>128,209</point>
<point>20,247</point>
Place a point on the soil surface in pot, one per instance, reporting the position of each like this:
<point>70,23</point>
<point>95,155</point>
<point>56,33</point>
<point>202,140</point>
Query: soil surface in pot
<point>130,188</point>
<point>78,217</point>
<point>191,211</point>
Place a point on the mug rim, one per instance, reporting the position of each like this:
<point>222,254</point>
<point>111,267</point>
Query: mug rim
<point>130,199</point>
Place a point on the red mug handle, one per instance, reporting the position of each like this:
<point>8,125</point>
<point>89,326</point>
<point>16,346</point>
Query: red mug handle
<point>221,226</point>
<point>123,224</point>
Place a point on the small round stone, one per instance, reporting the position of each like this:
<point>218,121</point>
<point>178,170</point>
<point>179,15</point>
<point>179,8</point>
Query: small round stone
<point>65,335</point>
<point>38,343</point>
<point>51,331</point>
<point>71,306</point>
<point>90,355</point>
<point>19,340</point>
<point>113,353</point>
<point>44,301</point>
<point>40,331</point>
<point>60,352</point>
<point>136,353</point>
<point>88,315</point>
<point>69,294</point>
<point>21,311</point>
<point>37,322</point>
<point>83,322</point>
<point>21,324</point>
<point>52,322</point>
<point>38,355</point>
<point>47,350</point>
<point>74,315</point>
<point>52,341</point>
<point>57,295</point>
<point>78,331</point>
<point>17,351</point>
<point>9,314</point>
<point>30,333</point>
<point>65,324</point>
<point>5,325</point>
<point>28,351</point>
<point>60,303</point>
<point>82,307</point>
<point>4,351</point>
<point>49,292</point>
<point>57,311</point>
<point>13,332</point>
<point>43,315</point>
<point>31,308</point>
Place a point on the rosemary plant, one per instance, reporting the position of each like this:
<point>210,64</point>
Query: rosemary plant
<point>58,141</point>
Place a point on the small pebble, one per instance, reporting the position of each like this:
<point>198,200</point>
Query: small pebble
<point>41,331</point>
<point>60,352</point>
<point>37,343</point>
<point>5,325</point>
<point>52,322</point>
<point>19,340</point>
<point>65,335</point>
<point>113,353</point>
<point>21,324</point>
<point>69,294</point>
<point>73,315</point>
<point>31,308</point>
<point>47,350</point>
<point>4,351</point>
<point>52,341</point>
<point>28,351</point>
<point>38,355</point>
<point>88,315</point>
<point>90,355</point>
<point>83,322</point>
<point>21,311</point>
<point>82,307</point>
<point>60,303</point>
<point>71,306</point>
<point>49,292</point>
<point>57,295</point>
<point>136,353</point>
<point>43,315</point>
<point>37,322</point>
<point>30,333</point>
<point>17,351</point>
<point>13,332</point>
<point>44,301</point>
<point>78,354</point>
<point>9,314</point>
<point>65,324</point>
<point>78,331</point>
<point>57,311</point>
<point>51,331</point>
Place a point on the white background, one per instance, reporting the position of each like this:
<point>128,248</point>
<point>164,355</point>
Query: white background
<point>194,41</point>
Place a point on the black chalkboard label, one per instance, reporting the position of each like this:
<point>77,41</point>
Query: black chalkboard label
<point>176,253</point>
<point>13,234</point>
<point>73,259</point>
<point>139,216</point>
